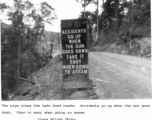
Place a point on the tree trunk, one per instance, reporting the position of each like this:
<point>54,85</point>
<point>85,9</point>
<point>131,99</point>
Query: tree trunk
<point>116,15</point>
<point>26,80</point>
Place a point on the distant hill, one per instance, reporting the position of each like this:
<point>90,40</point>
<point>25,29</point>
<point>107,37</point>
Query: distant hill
<point>49,38</point>
<point>4,26</point>
<point>50,35</point>
<point>55,39</point>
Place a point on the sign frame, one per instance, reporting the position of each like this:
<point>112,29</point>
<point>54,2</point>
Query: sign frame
<point>74,35</point>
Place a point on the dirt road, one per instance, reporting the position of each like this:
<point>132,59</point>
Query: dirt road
<point>120,76</point>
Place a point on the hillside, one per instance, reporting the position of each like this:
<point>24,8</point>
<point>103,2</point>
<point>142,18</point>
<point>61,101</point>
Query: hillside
<point>4,26</point>
<point>31,60</point>
<point>140,47</point>
<point>48,85</point>
<point>133,37</point>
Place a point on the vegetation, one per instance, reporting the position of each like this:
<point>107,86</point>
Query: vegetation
<point>20,49</point>
<point>121,17</point>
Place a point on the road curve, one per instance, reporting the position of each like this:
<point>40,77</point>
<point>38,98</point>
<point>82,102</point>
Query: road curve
<point>118,76</point>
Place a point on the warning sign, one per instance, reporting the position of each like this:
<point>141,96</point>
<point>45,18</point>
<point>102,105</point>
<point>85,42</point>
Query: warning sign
<point>74,49</point>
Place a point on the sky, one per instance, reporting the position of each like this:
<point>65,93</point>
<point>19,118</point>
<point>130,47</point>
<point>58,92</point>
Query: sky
<point>64,9</point>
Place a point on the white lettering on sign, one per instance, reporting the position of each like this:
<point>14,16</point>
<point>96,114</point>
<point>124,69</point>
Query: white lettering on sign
<point>81,66</point>
<point>67,24</point>
<point>67,71</point>
<point>79,71</point>
<point>81,56</point>
<point>75,61</point>
<point>77,24</point>
<point>68,66</point>
<point>69,46</point>
<point>75,67</point>
<point>74,31</point>
<point>81,50</point>
<point>77,36</point>
<point>67,51</point>
<point>74,36</point>
<point>72,56</point>
<point>70,36</point>
<point>75,41</point>
<point>79,46</point>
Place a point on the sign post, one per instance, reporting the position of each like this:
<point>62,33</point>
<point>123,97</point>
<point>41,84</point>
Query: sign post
<point>75,54</point>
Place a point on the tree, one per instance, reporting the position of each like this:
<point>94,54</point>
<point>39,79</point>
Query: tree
<point>116,5</point>
<point>3,6</point>
<point>113,14</point>
<point>84,4</point>
<point>19,42</point>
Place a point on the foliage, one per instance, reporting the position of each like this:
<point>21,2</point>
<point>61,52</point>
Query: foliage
<point>85,2</point>
<point>19,42</point>
<point>3,6</point>
<point>122,17</point>
<point>137,21</point>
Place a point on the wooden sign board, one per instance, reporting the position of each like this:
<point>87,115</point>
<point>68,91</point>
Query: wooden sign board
<point>75,53</point>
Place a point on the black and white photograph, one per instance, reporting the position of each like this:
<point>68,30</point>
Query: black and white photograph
<point>75,50</point>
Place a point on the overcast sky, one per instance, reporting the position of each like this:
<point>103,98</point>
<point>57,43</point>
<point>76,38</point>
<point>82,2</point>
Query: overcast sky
<point>65,9</point>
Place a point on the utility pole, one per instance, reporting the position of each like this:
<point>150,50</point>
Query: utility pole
<point>84,7</point>
<point>19,45</point>
<point>97,20</point>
